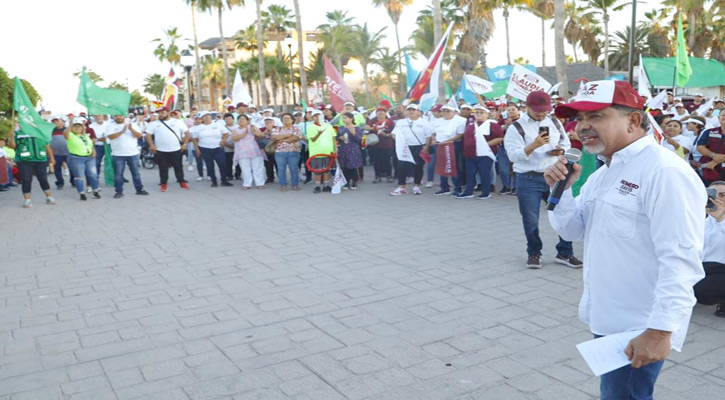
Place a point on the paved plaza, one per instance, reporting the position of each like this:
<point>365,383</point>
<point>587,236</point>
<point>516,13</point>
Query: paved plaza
<point>219,293</point>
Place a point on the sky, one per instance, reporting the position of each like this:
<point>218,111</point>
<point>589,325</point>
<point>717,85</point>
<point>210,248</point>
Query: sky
<point>113,38</point>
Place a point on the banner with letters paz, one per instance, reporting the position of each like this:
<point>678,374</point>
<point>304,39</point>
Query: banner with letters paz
<point>524,81</point>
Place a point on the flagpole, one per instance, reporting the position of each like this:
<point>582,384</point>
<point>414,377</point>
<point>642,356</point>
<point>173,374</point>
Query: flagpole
<point>631,41</point>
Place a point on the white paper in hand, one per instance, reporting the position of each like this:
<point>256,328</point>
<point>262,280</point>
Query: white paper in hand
<point>607,353</point>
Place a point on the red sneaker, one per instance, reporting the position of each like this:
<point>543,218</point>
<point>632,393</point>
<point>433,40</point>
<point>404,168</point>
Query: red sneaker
<point>184,186</point>
<point>164,187</point>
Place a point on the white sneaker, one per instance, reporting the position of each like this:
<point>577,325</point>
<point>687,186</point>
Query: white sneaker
<point>429,184</point>
<point>398,192</point>
<point>199,179</point>
<point>416,190</point>
<point>190,168</point>
<point>89,190</point>
<point>207,178</point>
<point>65,172</point>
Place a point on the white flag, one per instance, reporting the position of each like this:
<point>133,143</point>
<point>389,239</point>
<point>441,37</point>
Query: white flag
<point>339,181</point>
<point>478,85</point>
<point>643,87</point>
<point>658,102</point>
<point>554,88</point>
<point>453,102</point>
<point>402,150</point>
<point>524,81</point>
<point>703,109</point>
<point>240,94</point>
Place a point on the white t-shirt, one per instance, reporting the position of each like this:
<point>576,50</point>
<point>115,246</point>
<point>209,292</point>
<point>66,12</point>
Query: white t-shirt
<point>446,129</point>
<point>415,132</point>
<point>100,130</point>
<point>482,134</point>
<point>209,136</point>
<point>125,145</point>
<point>683,140</point>
<point>164,139</point>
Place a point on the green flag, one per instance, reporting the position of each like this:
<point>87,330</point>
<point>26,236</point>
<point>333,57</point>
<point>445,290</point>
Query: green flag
<point>392,103</point>
<point>682,62</point>
<point>30,122</point>
<point>102,101</point>
<point>449,92</point>
<point>304,105</point>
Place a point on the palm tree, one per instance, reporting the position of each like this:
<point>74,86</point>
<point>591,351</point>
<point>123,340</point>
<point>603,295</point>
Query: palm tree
<point>213,71</point>
<point>94,77</point>
<point>168,49</point>
<point>260,55</point>
<point>602,7</point>
<point>543,9</point>
<point>316,71</point>
<point>197,61</point>
<point>561,74</point>
<point>423,38</point>
<point>364,46</point>
<point>619,58</point>
<point>477,18</point>
<point>581,30</point>
<point>507,5</point>
<point>154,85</point>
<point>395,10</point>
<point>300,53</point>
<point>336,36</point>
<point>278,19</point>
<point>278,70</point>
<point>219,5</point>
<point>389,65</point>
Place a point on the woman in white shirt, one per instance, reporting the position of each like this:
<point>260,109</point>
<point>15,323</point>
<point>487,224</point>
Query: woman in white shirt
<point>675,140</point>
<point>209,140</point>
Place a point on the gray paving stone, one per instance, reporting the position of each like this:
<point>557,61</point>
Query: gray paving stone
<point>146,299</point>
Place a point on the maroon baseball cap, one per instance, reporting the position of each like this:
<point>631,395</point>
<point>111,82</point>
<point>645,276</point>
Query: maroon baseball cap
<point>241,105</point>
<point>539,101</point>
<point>162,109</point>
<point>437,107</point>
<point>598,95</point>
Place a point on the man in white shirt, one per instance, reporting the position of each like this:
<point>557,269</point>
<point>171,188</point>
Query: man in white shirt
<point>99,127</point>
<point>123,139</point>
<point>680,112</point>
<point>711,290</point>
<point>167,138</point>
<point>448,132</point>
<point>532,143</point>
<point>640,218</point>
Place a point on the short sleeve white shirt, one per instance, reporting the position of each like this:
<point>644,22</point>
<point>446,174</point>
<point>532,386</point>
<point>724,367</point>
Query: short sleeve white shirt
<point>167,139</point>
<point>684,141</point>
<point>208,136</point>
<point>447,129</point>
<point>125,145</point>
<point>100,130</point>
<point>415,132</point>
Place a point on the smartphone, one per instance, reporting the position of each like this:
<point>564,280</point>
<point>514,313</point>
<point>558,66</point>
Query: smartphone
<point>544,130</point>
<point>711,195</point>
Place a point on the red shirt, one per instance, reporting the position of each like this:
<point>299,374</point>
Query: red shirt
<point>469,137</point>
<point>384,126</point>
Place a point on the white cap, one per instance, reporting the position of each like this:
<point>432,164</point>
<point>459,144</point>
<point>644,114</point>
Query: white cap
<point>349,103</point>
<point>316,112</point>
<point>678,98</point>
<point>468,106</point>
<point>694,121</point>
<point>268,110</point>
<point>480,107</point>
<point>361,109</point>
<point>203,113</point>
<point>698,94</point>
<point>556,96</point>
<point>268,119</point>
<point>448,107</point>
<point>79,120</point>
<point>252,106</point>
<point>413,106</point>
<point>718,100</point>
<point>679,105</point>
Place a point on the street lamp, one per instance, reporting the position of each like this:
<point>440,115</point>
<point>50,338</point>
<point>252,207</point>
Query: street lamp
<point>187,61</point>
<point>288,40</point>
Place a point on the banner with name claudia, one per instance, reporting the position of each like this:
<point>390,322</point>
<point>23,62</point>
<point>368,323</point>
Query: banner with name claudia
<point>523,82</point>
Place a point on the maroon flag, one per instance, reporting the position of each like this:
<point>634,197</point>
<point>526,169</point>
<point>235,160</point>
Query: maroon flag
<point>446,160</point>
<point>339,92</point>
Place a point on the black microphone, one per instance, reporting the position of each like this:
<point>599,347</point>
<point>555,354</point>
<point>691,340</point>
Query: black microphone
<point>572,156</point>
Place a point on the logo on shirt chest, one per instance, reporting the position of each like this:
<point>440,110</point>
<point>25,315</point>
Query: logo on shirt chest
<point>627,188</point>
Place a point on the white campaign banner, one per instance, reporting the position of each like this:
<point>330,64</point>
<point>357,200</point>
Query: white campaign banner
<point>478,85</point>
<point>240,94</point>
<point>339,182</point>
<point>402,150</point>
<point>524,81</point>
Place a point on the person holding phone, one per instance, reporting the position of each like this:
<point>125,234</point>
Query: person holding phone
<point>711,289</point>
<point>533,143</point>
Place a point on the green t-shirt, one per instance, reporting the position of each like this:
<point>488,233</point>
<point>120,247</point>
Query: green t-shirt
<point>80,145</point>
<point>9,153</point>
<point>359,119</point>
<point>325,144</point>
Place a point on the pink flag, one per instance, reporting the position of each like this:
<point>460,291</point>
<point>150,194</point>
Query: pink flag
<point>339,92</point>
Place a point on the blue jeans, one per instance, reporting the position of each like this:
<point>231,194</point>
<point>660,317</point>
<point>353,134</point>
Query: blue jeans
<point>81,167</point>
<point>482,167</point>
<point>289,159</point>
<point>100,153</point>
<point>532,190</point>
<point>628,383</point>
<point>211,156</point>
<point>120,162</point>
<point>504,165</point>
<point>59,181</point>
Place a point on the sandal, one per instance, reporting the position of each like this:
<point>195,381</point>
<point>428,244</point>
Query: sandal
<point>260,187</point>
<point>246,187</point>
<point>296,188</point>
<point>283,188</point>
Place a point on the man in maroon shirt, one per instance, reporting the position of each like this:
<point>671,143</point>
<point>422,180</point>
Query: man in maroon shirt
<point>382,152</point>
<point>481,140</point>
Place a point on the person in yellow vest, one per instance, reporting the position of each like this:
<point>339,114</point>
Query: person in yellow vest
<point>81,158</point>
<point>8,155</point>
